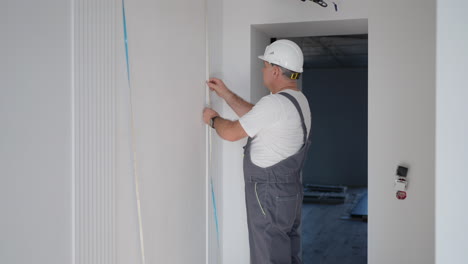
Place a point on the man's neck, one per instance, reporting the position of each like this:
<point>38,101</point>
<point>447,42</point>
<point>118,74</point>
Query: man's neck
<point>282,88</point>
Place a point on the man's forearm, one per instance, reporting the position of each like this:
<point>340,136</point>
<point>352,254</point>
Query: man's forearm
<point>239,105</point>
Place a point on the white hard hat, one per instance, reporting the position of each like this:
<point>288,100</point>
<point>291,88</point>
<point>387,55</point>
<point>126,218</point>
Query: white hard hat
<point>284,53</point>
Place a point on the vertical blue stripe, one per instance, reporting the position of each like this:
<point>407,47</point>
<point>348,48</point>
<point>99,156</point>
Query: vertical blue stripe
<point>126,41</point>
<point>215,212</point>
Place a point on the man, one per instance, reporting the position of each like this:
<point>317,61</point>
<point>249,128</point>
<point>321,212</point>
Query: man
<point>277,127</point>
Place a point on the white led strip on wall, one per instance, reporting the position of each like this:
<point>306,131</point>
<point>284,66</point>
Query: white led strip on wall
<point>94,126</point>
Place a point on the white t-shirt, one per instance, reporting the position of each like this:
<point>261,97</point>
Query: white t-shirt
<point>275,126</point>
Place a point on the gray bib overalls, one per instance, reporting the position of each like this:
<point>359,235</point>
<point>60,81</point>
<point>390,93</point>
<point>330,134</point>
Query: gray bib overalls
<point>274,197</point>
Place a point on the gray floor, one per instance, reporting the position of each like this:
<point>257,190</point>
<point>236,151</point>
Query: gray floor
<point>330,236</point>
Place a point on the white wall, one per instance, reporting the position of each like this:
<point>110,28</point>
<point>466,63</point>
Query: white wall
<point>167,40</point>
<point>259,40</point>
<point>167,60</point>
<point>35,134</point>
<point>451,133</point>
<point>402,130</point>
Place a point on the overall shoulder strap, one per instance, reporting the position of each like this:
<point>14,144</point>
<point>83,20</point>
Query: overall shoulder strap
<point>298,107</point>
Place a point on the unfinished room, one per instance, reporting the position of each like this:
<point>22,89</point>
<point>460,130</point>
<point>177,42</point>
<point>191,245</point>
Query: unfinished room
<point>233,132</point>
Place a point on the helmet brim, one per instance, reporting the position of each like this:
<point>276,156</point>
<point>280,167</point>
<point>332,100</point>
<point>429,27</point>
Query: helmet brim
<point>295,70</point>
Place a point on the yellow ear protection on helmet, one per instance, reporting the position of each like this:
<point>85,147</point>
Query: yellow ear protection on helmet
<point>295,76</point>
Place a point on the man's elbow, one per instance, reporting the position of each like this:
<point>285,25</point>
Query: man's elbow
<point>235,132</point>
<point>233,137</point>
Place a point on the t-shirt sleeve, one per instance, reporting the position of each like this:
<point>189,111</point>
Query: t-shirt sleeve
<point>264,114</point>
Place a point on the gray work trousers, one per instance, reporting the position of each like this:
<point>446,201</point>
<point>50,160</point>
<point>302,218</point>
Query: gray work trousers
<point>273,198</point>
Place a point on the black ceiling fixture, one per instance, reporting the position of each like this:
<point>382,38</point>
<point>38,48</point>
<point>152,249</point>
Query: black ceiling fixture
<point>322,3</point>
<point>319,2</point>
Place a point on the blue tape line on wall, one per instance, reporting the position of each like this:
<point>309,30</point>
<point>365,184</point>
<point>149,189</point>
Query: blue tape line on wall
<point>215,211</point>
<point>126,40</point>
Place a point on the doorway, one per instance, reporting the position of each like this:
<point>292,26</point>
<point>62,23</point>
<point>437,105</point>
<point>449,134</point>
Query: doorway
<point>335,173</point>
